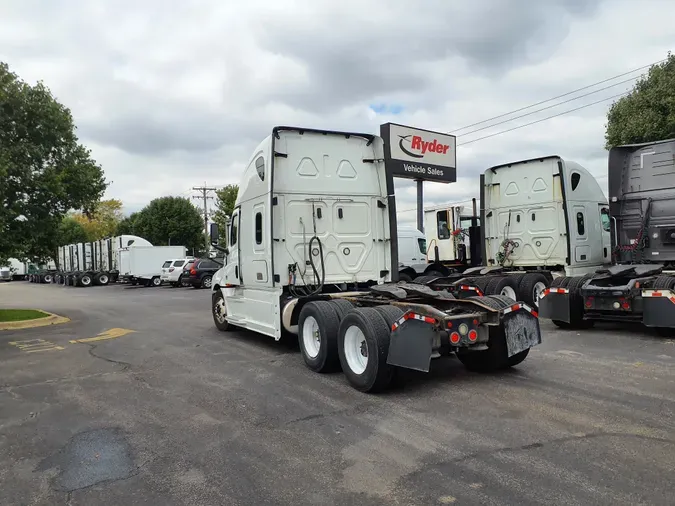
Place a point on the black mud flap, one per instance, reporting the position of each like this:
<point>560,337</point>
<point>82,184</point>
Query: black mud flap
<point>411,344</point>
<point>521,330</point>
<point>555,306</point>
<point>658,312</point>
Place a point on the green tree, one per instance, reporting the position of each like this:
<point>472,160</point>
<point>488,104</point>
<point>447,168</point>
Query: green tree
<point>170,220</point>
<point>127,225</point>
<point>647,113</point>
<point>103,221</point>
<point>44,171</point>
<point>225,199</point>
<point>71,231</point>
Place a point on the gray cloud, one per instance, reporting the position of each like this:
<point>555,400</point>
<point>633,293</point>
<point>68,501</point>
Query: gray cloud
<point>181,92</point>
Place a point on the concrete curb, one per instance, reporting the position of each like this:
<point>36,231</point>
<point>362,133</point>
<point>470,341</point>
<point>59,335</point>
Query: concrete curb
<point>51,319</point>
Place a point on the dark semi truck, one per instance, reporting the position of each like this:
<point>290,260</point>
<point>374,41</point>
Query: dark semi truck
<point>639,285</point>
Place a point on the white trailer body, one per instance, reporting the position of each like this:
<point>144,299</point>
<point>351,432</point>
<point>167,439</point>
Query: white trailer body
<point>546,212</point>
<point>412,247</point>
<point>18,269</point>
<point>144,263</point>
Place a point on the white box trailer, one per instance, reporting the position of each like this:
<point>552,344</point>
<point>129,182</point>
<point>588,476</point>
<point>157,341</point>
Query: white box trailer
<point>94,263</point>
<point>143,264</point>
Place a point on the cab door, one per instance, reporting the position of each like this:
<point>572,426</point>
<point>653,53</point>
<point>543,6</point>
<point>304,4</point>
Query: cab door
<point>233,267</point>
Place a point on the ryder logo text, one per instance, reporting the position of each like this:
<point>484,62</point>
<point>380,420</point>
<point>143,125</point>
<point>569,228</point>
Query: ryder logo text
<point>419,147</point>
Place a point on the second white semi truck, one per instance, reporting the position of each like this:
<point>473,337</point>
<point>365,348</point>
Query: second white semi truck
<point>539,219</point>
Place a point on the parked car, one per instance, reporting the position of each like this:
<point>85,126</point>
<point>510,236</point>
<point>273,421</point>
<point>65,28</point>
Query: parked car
<point>201,272</point>
<point>172,270</point>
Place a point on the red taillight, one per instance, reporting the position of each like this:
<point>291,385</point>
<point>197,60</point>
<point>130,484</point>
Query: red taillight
<point>625,305</point>
<point>193,271</point>
<point>589,301</point>
<point>475,322</point>
<point>454,338</point>
<point>473,335</point>
<point>449,325</point>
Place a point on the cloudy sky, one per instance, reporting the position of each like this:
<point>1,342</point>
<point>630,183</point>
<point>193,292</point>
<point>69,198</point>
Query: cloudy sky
<point>171,94</point>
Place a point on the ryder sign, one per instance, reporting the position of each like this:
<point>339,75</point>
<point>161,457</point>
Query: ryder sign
<point>419,154</point>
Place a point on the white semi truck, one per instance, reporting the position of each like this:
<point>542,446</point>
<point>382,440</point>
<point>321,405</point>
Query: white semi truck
<point>311,254</point>
<point>639,285</point>
<point>540,218</point>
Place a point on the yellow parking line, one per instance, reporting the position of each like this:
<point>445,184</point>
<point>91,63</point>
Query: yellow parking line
<point>35,345</point>
<point>46,349</point>
<point>108,334</point>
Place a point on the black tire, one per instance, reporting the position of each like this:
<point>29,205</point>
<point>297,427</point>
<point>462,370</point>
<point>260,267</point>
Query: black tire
<point>490,301</point>
<point>217,309</point>
<point>502,301</point>
<point>342,307</point>
<point>102,279</point>
<point>327,321</point>
<point>155,281</point>
<point>481,282</point>
<point>206,281</point>
<point>664,283</point>
<point>85,280</point>
<point>527,289</point>
<point>390,314</point>
<point>377,374</point>
<point>48,278</point>
<point>406,278</point>
<point>560,282</point>
<point>182,281</point>
<point>577,303</point>
<point>501,285</point>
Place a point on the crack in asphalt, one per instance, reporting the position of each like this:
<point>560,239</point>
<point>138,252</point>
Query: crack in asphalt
<point>125,365</point>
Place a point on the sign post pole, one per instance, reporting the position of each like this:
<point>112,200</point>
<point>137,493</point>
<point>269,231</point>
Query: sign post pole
<point>420,205</point>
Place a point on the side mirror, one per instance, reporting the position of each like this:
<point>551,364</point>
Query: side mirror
<point>213,232</point>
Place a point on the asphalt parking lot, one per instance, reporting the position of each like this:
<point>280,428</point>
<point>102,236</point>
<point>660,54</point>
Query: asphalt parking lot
<point>140,400</point>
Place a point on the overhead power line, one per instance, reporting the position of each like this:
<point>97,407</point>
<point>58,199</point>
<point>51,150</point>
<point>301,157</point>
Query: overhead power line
<point>558,96</point>
<point>550,106</point>
<point>544,119</point>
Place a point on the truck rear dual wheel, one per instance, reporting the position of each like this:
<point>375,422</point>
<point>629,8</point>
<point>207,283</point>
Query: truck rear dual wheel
<point>503,285</point>
<point>318,326</point>
<point>573,284</point>
<point>363,346</point>
<point>334,334</point>
<point>85,280</point>
<point>530,288</point>
<point>496,356</point>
